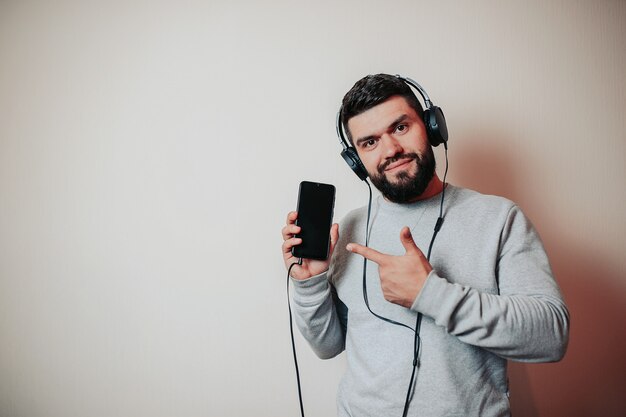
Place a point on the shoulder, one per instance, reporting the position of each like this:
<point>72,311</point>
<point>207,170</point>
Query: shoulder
<point>469,208</point>
<point>466,196</point>
<point>470,202</point>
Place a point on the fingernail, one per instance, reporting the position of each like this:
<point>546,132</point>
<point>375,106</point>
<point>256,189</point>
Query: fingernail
<point>349,247</point>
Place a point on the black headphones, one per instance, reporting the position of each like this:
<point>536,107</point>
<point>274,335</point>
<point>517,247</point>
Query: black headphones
<point>434,121</point>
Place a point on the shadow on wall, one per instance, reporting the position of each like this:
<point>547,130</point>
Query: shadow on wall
<point>589,381</point>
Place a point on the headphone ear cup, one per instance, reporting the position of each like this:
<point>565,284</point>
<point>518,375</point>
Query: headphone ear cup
<point>352,159</point>
<point>436,127</point>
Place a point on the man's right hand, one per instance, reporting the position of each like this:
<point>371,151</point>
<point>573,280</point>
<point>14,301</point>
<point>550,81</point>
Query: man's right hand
<point>309,267</point>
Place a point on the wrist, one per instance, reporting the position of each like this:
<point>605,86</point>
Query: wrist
<point>308,290</point>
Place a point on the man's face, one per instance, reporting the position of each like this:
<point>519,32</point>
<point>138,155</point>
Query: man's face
<point>391,140</point>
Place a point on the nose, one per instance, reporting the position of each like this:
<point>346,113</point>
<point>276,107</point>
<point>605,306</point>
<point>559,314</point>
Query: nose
<point>392,146</point>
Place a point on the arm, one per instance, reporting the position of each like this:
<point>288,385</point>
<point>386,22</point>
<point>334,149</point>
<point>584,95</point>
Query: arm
<point>528,320</point>
<point>317,316</point>
<point>313,301</point>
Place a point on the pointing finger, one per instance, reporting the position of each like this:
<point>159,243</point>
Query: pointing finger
<point>368,253</point>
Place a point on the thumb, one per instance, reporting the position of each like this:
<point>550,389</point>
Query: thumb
<point>407,241</point>
<point>334,237</point>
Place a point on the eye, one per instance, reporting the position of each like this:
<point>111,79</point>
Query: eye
<point>369,143</point>
<point>402,128</point>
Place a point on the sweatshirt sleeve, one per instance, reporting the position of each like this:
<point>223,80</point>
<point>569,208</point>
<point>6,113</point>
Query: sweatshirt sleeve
<point>317,316</point>
<point>527,321</point>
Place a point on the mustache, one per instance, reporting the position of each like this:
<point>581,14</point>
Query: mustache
<point>384,165</point>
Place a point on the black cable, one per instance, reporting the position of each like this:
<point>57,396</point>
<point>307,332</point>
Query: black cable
<point>417,341</point>
<point>417,344</point>
<point>440,218</point>
<point>367,239</point>
<point>293,342</point>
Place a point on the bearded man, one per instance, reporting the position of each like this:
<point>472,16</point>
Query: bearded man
<point>448,324</point>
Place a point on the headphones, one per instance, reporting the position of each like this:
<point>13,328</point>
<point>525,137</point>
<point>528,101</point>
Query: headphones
<point>434,121</point>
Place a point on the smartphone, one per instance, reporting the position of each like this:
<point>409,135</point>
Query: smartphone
<point>316,203</point>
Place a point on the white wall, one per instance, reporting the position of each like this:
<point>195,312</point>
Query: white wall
<point>149,152</point>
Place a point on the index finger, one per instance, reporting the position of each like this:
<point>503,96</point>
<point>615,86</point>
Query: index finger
<point>368,253</point>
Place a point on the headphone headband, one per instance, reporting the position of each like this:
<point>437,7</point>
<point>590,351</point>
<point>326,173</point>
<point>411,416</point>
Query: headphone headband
<point>427,103</point>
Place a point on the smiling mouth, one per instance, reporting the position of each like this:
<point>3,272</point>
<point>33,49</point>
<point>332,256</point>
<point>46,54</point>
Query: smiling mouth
<point>397,164</point>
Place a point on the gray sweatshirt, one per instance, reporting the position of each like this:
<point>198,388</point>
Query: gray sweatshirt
<point>490,297</point>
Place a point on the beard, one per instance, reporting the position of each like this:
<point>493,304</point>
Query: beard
<point>408,185</point>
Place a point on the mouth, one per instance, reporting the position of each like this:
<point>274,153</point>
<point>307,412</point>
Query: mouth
<point>398,165</point>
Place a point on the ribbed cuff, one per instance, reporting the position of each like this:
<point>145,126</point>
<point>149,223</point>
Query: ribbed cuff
<point>310,290</point>
<point>430,299</point>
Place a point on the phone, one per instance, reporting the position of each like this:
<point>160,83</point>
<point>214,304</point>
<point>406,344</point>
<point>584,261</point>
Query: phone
<point>316,203</point>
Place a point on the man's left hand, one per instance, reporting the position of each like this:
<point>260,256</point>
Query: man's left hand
<point>401,277</point>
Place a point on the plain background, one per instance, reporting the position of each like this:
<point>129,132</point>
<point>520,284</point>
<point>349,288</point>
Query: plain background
<point>150,150</point>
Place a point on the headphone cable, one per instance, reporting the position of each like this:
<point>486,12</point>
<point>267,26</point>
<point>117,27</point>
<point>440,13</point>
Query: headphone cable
<point>293,342</point>
<point>367,235</point>
<point>417,341</point>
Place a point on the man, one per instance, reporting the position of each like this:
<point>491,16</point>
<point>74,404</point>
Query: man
<point>486,295</point>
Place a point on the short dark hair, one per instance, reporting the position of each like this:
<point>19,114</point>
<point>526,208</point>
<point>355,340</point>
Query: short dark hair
<point>373,90</point>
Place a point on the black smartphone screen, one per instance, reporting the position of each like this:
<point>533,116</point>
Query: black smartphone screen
<point>316,202</point>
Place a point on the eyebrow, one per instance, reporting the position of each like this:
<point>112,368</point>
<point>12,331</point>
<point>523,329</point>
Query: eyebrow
<point>392,125</point>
